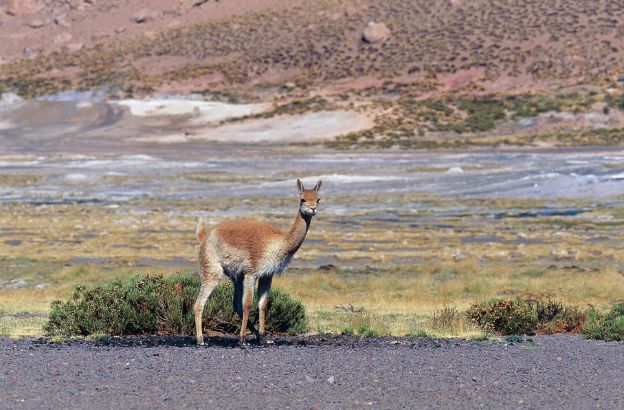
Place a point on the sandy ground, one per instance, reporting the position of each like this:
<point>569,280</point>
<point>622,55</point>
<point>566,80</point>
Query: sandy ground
<point>57,124</point>
<point>301,373</point>
<point>203,112</point>
<point>315,126</point>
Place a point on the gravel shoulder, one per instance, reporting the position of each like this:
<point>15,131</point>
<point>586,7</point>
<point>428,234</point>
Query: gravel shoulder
<point>560,371</point>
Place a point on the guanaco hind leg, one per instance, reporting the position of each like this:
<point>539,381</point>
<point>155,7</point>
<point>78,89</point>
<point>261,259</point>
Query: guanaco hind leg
<point>210,272</point>
<point>207,286</point>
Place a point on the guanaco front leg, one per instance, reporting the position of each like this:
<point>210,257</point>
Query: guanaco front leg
<point>264,286</point>
<point>249,283</point>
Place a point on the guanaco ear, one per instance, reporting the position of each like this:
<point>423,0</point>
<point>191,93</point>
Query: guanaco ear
<point>317,187</point>
<point>300,186</point>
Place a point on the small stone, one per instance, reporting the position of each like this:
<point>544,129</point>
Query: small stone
<point>75,46</point>
<point>150,34</point>
<point>42,286</point>
<point>309,379</point>
<point>375,32</point>
<point>351,10</point>
<point>330,379</point>
<point>197,3</point>
<point>191,381</point>
<point>61,21</point>
<point>62,38</point>
<point>36,23</point>
<point>21,7</point>
<point>142,16</point>
<point>76,5</point>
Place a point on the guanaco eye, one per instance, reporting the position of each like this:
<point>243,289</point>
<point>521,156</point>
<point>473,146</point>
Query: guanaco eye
<point>318,200</point>
<point>302,200</point>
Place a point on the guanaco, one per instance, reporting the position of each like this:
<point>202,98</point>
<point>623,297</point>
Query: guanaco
<point>248,251</point>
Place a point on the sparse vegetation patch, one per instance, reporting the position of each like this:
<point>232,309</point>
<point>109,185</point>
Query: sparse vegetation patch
<point>605,326</point>
<point>518,317</point>
<point>554,317</point>
<point>460,121</point>
<point>504,316</point>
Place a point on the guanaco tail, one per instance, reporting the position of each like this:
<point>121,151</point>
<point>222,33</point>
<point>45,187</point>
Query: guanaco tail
<point>248,251</point>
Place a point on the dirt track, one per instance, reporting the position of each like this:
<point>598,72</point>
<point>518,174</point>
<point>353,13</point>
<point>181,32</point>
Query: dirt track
<point>170,372</point>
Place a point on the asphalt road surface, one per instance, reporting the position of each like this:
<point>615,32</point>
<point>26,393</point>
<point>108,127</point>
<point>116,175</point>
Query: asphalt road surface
<point>318,372</point>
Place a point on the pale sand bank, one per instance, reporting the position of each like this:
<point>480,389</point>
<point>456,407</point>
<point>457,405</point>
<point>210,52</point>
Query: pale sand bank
<point>315,126</point>
<point>203,112</point>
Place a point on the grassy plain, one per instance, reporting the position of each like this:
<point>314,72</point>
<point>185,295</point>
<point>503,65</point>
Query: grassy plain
<point>362,273</point>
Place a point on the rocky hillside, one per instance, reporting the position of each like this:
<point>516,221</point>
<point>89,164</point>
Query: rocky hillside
<point>135,47</point>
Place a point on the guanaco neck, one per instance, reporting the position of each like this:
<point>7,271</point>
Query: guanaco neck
<point>297,233</point>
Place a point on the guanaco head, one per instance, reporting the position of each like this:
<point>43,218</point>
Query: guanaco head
<point>309,198</point>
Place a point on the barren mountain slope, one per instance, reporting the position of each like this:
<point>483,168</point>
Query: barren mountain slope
<point>146,46</point>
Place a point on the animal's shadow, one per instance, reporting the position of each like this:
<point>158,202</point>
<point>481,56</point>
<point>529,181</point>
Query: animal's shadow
<point>177,341</point>
<point>231,341</point>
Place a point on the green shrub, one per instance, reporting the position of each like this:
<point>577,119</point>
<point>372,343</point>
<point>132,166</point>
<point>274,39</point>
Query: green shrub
<point>517,316</point>
<point>530,105</point>
<point>513,339</point>
<point>554,317</point>
<point>362,323</point>
<point>483,113</point>
<point>366,331</point>
<point>162,305</point>
<point>615,101</point>
<point>347,331</point>
<point>505,316</point>
<point>605,326</point>
<point>363,330</point>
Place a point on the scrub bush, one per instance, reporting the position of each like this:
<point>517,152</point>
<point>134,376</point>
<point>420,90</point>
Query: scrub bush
<point>163,305</point>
